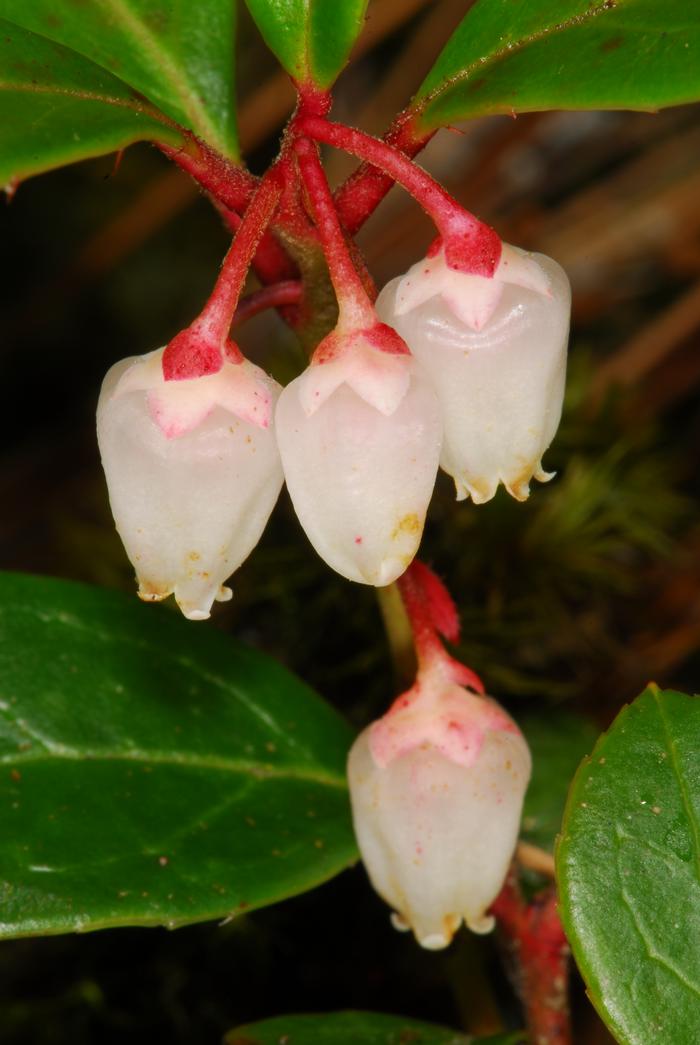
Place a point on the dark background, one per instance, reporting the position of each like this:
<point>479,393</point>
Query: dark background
<point>580,596</point>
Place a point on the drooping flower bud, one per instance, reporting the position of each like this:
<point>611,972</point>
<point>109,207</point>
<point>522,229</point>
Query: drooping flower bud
<point>437,787</point>
<point>193,473</point>
<point>359,434</point>
<point>494,349</point>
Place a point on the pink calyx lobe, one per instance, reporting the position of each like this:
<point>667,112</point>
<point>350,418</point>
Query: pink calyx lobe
<point>180,405</point>
<point>441,714</point>
<point>194,353</point>
<point>472,248</point>
<point>373,361</point>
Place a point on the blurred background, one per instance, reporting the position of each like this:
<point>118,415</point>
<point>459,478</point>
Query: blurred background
<point>576,598</point>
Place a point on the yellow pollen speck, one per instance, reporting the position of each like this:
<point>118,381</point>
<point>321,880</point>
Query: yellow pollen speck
<point>408,524</point>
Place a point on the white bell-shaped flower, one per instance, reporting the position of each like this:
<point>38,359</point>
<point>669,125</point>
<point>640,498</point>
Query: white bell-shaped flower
<point>495,352</point>
<point>193,473</point>
<point>437,787</point>
<point>359,434</point>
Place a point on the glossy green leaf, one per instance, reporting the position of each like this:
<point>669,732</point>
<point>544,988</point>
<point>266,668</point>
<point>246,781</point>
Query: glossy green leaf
<point>153,771</point>
<point>628,865</point>
<point>558,741</point>
<point>355,1028</point>
<point>57,107</point>
<point>179,54</point>
<point>311,38</point>
<point>508,57</point>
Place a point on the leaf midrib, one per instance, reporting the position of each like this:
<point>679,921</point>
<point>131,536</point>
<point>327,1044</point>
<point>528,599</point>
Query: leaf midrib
<point>217,763</point>
<point>484,63</point>
<point>172,73</point>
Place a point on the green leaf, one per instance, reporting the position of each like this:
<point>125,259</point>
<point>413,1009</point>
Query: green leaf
<point>311,38</point>
<point>178,54</point>
<point>153,771</point>
<point>354,1028</point>
<point>508,57</point>
<point>558,741</point>
<point>629,870</point>
<point>57,107</point>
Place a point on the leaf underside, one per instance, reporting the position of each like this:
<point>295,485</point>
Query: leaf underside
<point>629,871</point>
<point>153,771</point>
<point>510,57</point>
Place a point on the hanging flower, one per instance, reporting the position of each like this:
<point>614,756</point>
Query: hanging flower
<point>437,787</point>
<point>359,435</point>
<point>193,472</point>
<point>494,350</point>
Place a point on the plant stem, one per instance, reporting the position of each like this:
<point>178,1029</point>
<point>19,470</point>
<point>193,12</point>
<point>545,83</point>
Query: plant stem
<point>358,197</point>
<point>200,348</point>
<point>469,243</point>
<point>539,956</point>
<point>228,183</point>
<point>217,315</point>
<point>432,613</point>
<point>355,308</point>
<point>276,295</point>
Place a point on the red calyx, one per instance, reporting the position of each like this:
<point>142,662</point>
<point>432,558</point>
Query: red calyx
<point>475,249</point>
<point>190,355</point>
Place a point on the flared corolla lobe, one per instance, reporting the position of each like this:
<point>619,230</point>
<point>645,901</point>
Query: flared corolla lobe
<point>495,352</point>
<point>359,434</point>
<point>437,787</point>
<point>193,473</point>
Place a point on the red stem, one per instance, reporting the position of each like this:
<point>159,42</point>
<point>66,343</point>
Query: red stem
<point>354,304</point>
<point>357,199</point>
<point>272,264</point>
<point>436,201</point>
<point>199,349</point>
<point>276,295</point>
<point>431,611</point>
<point>539,955</point>
<point>470,245</point>
<point>228,183</point>
<point>219,310</point>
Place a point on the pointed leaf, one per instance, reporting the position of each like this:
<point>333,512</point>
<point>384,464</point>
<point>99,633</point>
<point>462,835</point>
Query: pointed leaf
<point>311,38</point>
<point>629,870</point>
<point>353,1028</point>
<point>510,57</point>
<point>153,771</point>
<point>179,55</point>
<point>57,107</point>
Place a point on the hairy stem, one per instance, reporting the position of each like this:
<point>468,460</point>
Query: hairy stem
<point>358,197</point>
<point>470,245</point>
<point>355,307</point>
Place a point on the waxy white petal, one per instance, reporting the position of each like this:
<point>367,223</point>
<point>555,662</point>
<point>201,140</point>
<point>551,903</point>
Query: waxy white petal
<point>500,387</point>
<point>190,495</point>
<point>437,834</point>
<point>360,478</point>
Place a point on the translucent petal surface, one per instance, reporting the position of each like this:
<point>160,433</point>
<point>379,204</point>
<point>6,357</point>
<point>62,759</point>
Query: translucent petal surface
<point>436,837</point>
<point>500,388</point>
<point>188,509</point>
<point>361,481</point>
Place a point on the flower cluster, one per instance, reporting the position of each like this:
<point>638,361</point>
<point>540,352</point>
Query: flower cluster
<point>465,372</point>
